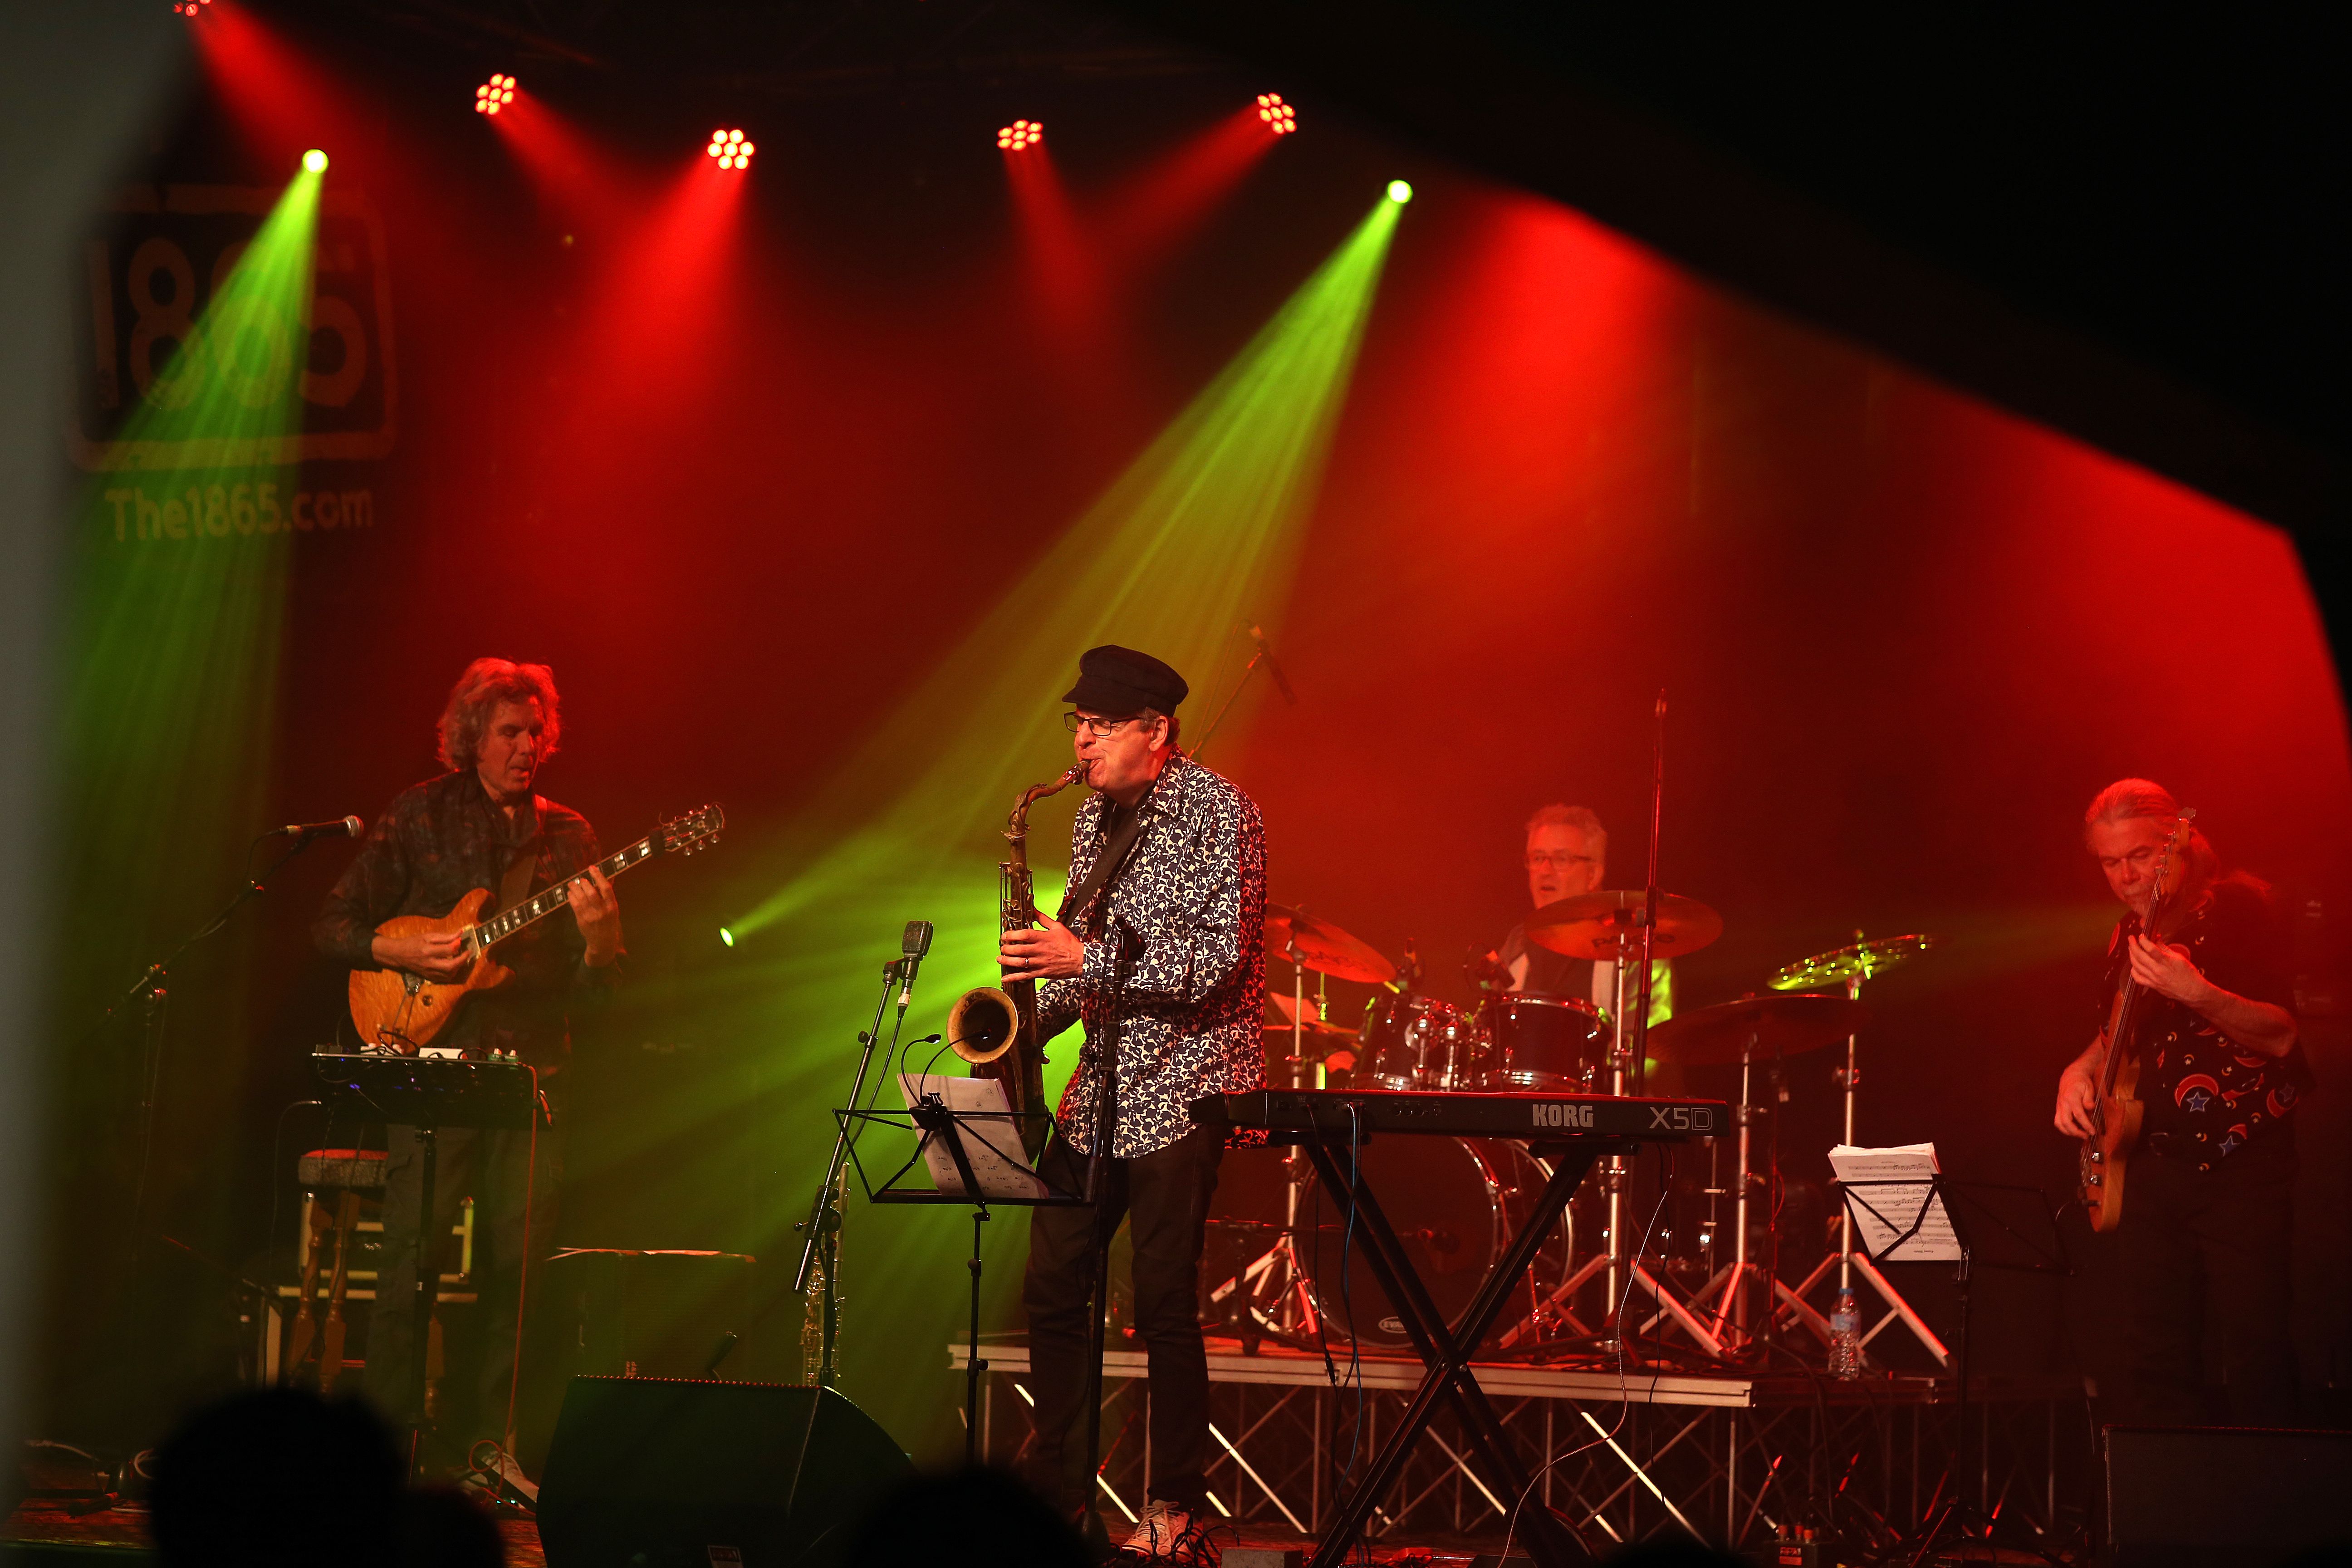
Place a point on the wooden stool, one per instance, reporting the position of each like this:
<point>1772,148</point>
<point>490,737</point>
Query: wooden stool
<point>345,1174</point>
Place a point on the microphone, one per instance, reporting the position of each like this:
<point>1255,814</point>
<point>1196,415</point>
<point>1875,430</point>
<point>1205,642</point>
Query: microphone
<point>912,946</point>
<point>1266,652</point>
<point>302,832</point>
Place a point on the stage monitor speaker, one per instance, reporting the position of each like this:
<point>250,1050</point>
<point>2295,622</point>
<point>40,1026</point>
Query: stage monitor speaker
<point>2225,1497</point>
<point>650,1472</point>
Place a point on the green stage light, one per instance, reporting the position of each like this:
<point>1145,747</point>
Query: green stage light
<point>726,936</point>
<point>1399,192</point>
<point>315,161</point>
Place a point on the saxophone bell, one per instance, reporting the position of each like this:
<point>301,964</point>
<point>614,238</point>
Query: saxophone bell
<point>983,1025</point>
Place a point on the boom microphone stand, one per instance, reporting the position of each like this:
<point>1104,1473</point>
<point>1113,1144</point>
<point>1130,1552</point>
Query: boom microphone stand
<point>820,1232</point>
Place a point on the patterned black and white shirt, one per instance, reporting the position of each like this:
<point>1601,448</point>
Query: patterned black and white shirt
<point>1191,901</point>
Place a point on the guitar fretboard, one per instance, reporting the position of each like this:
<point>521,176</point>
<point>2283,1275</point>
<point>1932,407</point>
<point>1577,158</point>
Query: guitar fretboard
<point>549,899</point>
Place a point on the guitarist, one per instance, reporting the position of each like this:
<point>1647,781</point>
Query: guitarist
<point>2206,1208</point>
<point>478,826</point>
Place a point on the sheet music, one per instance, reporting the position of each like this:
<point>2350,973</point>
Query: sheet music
<point>991,1137</point>
<point>1881,1214</point>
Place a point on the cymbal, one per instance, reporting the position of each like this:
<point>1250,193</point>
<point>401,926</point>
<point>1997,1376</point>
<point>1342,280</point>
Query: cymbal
<point>1281,1004</point>
<point>1859,962</point>
<point>1756,1027</point>
<point>1323,947</point>
<point>1600,925</point>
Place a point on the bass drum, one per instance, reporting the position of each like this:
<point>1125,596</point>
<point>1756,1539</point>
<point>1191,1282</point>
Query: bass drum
<point>1454,1202</point>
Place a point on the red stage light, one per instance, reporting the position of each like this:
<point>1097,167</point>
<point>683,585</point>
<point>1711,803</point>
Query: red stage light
<point>1021,133</point>
<point>189,7</point>
<point>1279,116</point>
<point>494,94</point>
<point>730,148</point>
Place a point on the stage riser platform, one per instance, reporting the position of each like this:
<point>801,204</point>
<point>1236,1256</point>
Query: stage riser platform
<point>1624,1459</point>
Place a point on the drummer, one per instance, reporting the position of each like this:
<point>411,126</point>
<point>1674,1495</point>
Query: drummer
<point>1567,855</point>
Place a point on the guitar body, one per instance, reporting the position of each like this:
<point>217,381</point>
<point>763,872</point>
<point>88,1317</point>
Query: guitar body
<point>400,1012</point>
<point>404,1011</point>
<point>2104,1159</point>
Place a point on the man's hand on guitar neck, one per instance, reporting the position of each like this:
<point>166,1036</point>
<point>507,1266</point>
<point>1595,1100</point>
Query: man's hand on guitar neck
<point>598,910</point>
<point>2166,968</point>
<point>435,956</point>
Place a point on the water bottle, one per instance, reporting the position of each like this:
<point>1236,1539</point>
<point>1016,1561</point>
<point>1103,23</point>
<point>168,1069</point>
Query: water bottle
<point>1846,1336</point>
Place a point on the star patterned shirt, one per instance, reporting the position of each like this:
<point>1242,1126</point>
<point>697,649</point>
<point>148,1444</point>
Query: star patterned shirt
<point>439,841</point>
<point>1190,904</point>
<point>2206,1096</point>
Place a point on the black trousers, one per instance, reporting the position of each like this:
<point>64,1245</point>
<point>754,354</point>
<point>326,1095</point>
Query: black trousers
<point>1164,1197</point>
<point>514,1225</point>
<point>2206,1252</point>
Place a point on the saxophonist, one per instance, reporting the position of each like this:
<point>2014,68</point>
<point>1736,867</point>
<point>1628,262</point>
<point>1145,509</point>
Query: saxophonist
<point>1160,947</point>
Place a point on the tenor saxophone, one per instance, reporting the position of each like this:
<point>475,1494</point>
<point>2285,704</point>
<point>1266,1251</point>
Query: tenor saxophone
<point>995,1028</point>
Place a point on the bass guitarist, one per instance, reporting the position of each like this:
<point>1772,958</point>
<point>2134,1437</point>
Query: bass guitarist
<point>2206,1207</point>
<point>478,826</point>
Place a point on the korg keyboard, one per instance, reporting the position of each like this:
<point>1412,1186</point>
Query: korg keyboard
<point>1341,1113</point>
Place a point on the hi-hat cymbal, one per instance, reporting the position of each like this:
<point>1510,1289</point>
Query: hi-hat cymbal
<point>1281,1004</point>
<point>1756,1027</point>
<point>1601,925</point>
<point>1859,962</point>
<point>1323,947</point>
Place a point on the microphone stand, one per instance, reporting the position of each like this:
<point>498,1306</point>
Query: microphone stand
<point>820,1232</point>
<point>148,994</point>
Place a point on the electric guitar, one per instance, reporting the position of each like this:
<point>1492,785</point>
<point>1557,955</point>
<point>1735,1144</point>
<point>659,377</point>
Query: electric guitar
<point>394,1010</point>
<point>2102,1158</point>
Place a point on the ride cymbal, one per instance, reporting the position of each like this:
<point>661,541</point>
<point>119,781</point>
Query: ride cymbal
<point>1323,947</point>
<point>1603,925</point>
<point>1755,1028</point>
<point>1859,962</point>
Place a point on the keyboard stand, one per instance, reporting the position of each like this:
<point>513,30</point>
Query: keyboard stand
<point>1446,1351</point>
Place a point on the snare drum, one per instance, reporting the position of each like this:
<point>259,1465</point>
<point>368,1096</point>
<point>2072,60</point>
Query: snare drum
<point>1417,1042</point>
<point>1543,1042</point>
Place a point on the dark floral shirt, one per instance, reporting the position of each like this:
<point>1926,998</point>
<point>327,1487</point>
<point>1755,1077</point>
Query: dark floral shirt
<point>1190,904</point>
<point>439,841</point>
<point>2206,1096</point>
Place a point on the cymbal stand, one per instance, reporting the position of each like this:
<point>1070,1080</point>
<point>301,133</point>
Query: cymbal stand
<point>1276,1277</point>
<point>1849,1259</point>
<point>1623,1274</point>
<point>1731,1286</point>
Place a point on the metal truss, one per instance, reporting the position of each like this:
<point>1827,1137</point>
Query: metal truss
<point>1853,1462</point>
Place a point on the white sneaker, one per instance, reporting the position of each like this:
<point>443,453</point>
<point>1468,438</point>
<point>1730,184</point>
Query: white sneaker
<point>1169,1534</point>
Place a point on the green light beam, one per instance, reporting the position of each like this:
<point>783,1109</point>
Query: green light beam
<point>1203,528</point>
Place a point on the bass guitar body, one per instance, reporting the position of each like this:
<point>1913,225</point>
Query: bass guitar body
<point>403,1011</point>
<point>2105,1158</point>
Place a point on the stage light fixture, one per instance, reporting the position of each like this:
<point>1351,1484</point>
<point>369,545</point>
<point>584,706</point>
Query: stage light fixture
<point>494,94</point>
<point>726,936</point>
<point>730,149</point>
<point>1021,133</point>
<point>1279,116</point>
<point>315,161</point>
<point>1399,192</point>
<point>189,7</point>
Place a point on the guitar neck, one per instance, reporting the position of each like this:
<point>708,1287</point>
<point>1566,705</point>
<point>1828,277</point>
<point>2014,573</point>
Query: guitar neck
<point>548,899</point>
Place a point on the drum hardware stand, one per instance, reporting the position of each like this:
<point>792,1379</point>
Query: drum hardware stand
<point>1849,1260</point>
<point>1276,1276</point>
<point>1734,1281</point>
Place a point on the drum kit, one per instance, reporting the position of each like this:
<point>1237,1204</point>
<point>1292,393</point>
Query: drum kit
<point>1456,1201</point>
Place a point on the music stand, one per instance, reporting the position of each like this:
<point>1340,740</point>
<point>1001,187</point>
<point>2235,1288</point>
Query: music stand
<point>430,1093</point>
<point>985,1147</point>
<point>1939,1230</point>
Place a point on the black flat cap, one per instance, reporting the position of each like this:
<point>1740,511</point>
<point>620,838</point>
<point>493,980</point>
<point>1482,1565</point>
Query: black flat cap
<point>1119,680</point>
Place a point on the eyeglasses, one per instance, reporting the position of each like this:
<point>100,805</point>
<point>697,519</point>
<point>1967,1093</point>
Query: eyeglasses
<point>1098,728</point>
<point>1557,859</point>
